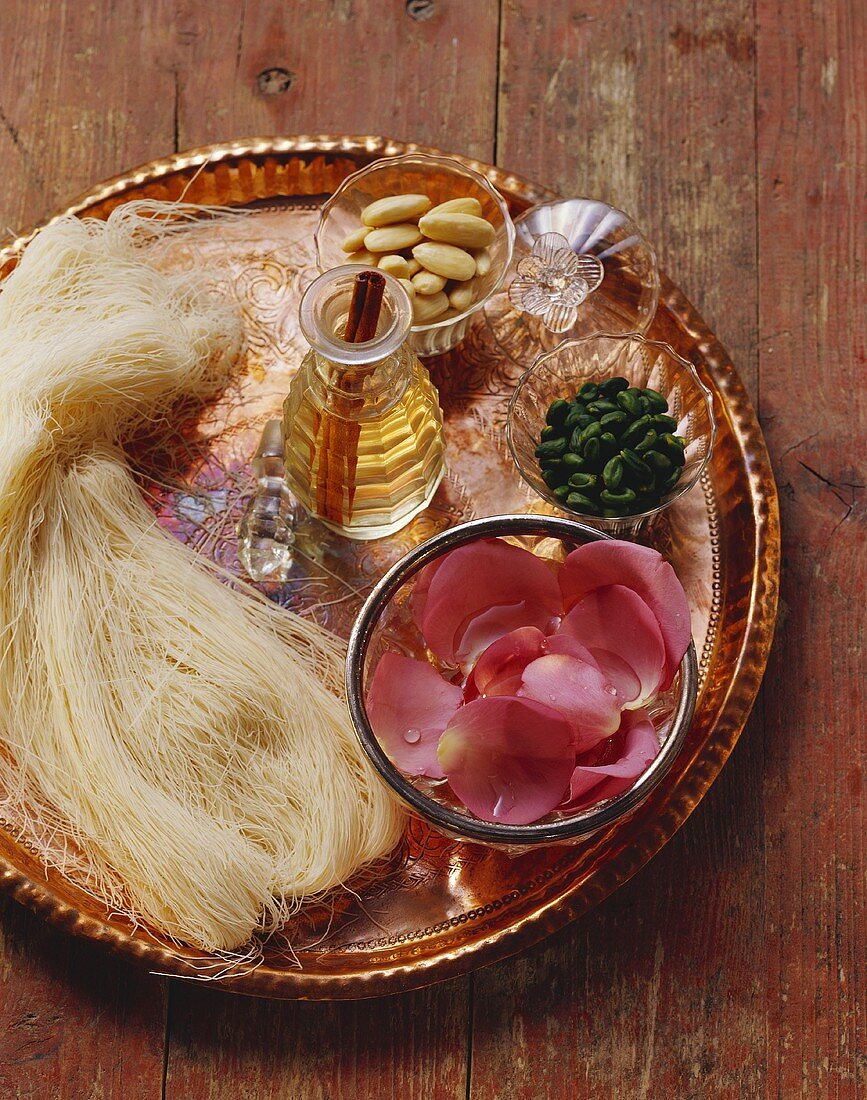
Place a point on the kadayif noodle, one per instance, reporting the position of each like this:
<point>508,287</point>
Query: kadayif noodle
<point>176,743</point>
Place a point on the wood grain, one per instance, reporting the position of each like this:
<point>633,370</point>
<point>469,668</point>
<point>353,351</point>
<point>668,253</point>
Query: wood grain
<point>85,93</point>
<point>733,966</point>
<point>812,101</point>
<point>348,67</point>
<point>650,108</point>
<point>654,993</point>
<point>74,1023</point>
<point>409,1047</point>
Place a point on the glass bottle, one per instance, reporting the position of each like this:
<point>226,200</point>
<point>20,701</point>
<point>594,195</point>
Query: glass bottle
<point>266,533</point>
<point>362,426</point>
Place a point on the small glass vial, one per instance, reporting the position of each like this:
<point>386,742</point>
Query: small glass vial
<point>266,533</point>
<point>362,426</point>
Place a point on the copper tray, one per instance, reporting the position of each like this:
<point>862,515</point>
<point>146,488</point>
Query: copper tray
<point>444,908</point>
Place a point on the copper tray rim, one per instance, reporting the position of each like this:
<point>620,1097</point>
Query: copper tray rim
<point>739,697</point>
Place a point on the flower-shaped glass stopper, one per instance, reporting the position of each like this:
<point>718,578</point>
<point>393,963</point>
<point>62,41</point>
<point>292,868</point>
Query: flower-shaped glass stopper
<point>553,281</point>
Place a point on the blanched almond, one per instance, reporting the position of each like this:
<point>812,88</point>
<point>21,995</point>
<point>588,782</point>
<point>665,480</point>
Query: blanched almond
<point>392,238</point>
<point>414,266</point>
<point>469,205</point>
<point>362,257</point>
<point>428,307</point>
<point>355,240</point>
<point>395,208</point>
<point>483,263</point>
<point>463,230</point>
<point>445,260</point>
<point>425,282</point>
<point>395,265</point>
<point>462,296</point>
<point>408,287</point>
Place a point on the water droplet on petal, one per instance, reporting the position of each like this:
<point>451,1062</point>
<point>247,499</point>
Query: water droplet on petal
<point>412,736</point>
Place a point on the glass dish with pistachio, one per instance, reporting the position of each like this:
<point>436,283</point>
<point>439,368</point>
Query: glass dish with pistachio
<point>611,428</point>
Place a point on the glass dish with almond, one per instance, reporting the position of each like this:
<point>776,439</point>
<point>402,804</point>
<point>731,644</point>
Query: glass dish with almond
<point>435,224</point>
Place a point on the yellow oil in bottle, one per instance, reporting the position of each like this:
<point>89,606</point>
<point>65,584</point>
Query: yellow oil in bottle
<point>362,425</point>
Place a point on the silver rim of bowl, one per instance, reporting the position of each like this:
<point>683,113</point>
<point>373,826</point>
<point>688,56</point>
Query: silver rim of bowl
<point>473,828</point>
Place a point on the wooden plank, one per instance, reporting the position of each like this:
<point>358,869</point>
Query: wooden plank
<point>347,68</point>
<point>409,1047</point>
<point>74,1023</point>
<point>654,994</point>
<point>355,68</point>
<point>83,94</point>
<point>812,101</point>
<point>649,107</point>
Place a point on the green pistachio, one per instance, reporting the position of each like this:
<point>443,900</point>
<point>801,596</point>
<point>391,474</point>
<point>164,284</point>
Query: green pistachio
<point>635,431</point>
<point>583,481</point>
<point>551,448</point>
<point>557,412</point>
<point>614,421</point>
<point>650,438</point>
<point>612,386</point>
<point>593,453</point>
<point>624,496</point>
<point>612,475</point>
<point>655,401</point>
<point>580,503</point>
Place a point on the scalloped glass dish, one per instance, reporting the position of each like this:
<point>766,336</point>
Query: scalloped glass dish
<point>562,372</point>
<point>440,178</point>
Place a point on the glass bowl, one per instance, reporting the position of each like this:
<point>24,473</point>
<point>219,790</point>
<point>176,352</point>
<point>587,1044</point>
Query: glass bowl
<point>645,363</point>
<point>385,624</point>
<point>579,266</point>
<point>440,178</point>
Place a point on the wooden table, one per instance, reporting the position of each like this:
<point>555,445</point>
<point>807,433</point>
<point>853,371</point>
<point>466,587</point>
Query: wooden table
<point>733,965</point>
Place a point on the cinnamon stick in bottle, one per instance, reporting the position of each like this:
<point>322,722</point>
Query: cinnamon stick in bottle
<point>339,462</point>
<point>365,307</point>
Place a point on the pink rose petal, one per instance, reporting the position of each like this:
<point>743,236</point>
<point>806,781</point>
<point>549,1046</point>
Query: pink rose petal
<point>421,588</point>
<point>498,670</point>
<point>569,646</point>
<point>579,691</point>
<point>492,624</point>
<point>589,785</point>
<point>508,760</point>
<point>622,633</point>
<point>598,564</point>
<point>622,678</point>
<point>409,705</point>
<point>481,592</point>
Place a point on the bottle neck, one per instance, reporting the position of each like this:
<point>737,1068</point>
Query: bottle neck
<point>365,388</point>
<point>324,312</point>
